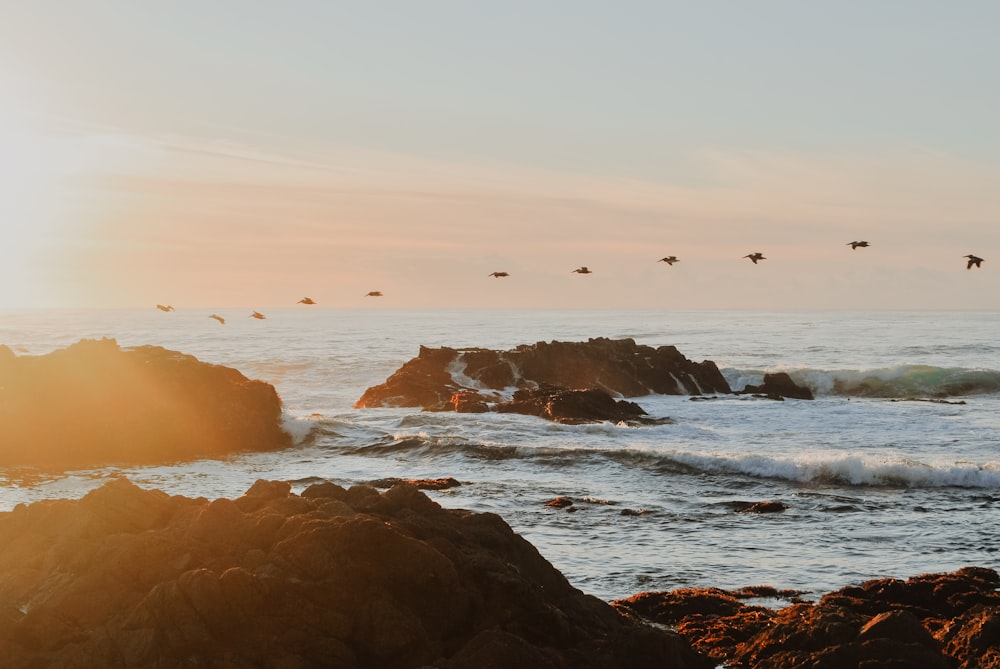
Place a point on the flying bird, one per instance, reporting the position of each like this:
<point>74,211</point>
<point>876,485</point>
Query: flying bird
<point>973,260</point>
<point>855,245</point>
<point>374,293</point>
<point>218,318</point>
<point>259,316</point>
<point>164,307</point>
<point>306,300</point>
<point>498,274</point>
<point>754,257</point>
<point>582,270</point>
<point>670,260</point>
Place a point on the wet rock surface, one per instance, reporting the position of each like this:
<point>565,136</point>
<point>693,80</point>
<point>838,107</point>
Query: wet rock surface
<point>96,403</point>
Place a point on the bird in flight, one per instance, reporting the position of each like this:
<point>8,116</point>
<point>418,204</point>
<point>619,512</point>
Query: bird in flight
<point>306,300</point>
<point>498,274</point>
<point>754,257</point>
<point>670,260</point>
<point>374,293</point>
<point>218,318</point>
<point>582,270</point>
<point>973,260</point>
<point>164,307</point>
<point>855,245</point>
<point>259,316</point>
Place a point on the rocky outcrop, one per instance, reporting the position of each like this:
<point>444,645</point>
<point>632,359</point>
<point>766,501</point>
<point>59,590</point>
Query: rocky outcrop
<point>618,367</point>
<point>927,622</point>
<point>96,403</point>
<point>779,385</point>
<point>337,578</point>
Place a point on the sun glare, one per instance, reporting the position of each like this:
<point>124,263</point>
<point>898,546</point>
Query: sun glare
<point>28,202</point>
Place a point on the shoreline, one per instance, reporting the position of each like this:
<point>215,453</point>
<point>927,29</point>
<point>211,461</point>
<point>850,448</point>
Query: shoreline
<point>356,578</point>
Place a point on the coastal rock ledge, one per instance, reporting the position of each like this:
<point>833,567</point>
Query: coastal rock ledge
<point>614,366</point>
<point>335,578</point>
<point>95,403</point>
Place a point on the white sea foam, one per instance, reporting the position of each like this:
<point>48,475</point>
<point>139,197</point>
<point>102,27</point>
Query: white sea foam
<point>850,469</point>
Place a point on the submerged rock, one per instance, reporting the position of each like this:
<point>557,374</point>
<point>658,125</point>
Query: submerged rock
<point>616,366</point>
<point>349,578</point>
<point>95,403</point>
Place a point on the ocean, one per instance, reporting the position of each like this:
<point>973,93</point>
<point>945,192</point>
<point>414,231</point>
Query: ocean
<point>892,471</point>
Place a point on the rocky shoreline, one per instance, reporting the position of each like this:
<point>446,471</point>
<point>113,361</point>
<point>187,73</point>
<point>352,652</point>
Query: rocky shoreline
<point>354,578</point>
<point>357,578</point>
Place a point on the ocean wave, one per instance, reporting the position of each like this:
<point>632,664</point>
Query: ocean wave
<point>900,381</point>
<point>848,470</point>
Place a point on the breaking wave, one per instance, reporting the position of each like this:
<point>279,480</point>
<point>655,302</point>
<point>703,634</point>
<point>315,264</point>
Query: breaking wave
<point>901,381</point>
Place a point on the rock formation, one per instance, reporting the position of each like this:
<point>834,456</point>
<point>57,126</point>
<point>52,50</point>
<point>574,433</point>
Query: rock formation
<point>618,367</point>
<point>336,578</point>
<point>779,385</point>
<point>95,403</point>
<point>933,621</point>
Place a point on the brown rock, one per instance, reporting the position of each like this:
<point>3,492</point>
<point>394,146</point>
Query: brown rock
<point>779,385</point>
<point>468,401</point>
<point>395,582</point>
<point>95,403</point>
<point>923,622</point>
<point>421,484</point>
<point>619,367</point>
<point>571,406</point>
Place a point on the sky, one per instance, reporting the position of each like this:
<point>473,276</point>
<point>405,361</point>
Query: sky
<point>243,153</point>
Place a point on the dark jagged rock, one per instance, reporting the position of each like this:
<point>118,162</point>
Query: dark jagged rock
<point>619,367</point>
<point>779,385</point>
<point>331,578</point>
<point>424,381</point>
<point>929,621</point>
<point>571,406</point>
<point>95,403</point>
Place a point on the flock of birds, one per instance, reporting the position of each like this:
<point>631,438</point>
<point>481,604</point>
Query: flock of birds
<point>256,314</point>
<point>755,257</point>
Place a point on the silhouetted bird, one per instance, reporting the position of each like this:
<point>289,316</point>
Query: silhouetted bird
<point>973,260</point>
<point>164,307</point>
<point>218,318</point>
<point>582,270</point>
<point>498,274</point>
<point>754,257</point>
<point>259,316</point>
<point>855,245</point>
<point>670,260</point>
<point>374,293</point>
<point>306,300</point>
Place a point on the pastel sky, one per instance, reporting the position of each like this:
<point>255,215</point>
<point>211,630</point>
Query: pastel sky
<point>246,153</point>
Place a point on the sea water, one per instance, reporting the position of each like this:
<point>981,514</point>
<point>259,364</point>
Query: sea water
<point>892,471</point>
